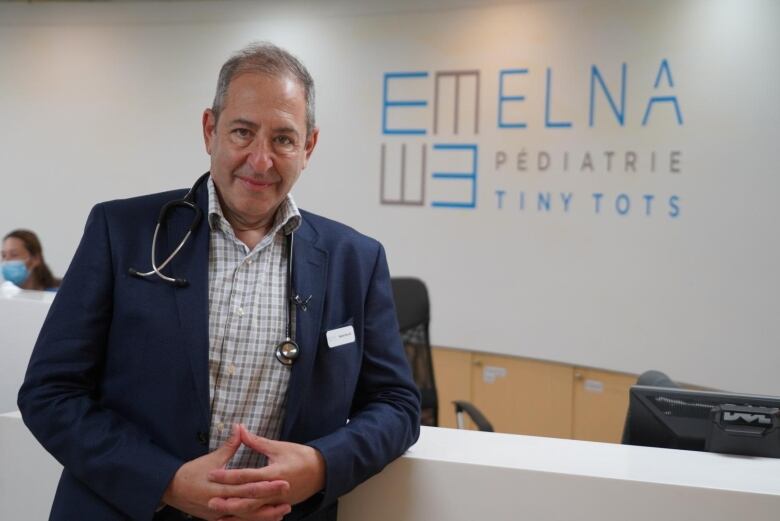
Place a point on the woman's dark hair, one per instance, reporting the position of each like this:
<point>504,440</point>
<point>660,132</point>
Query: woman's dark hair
<point>41,274</point>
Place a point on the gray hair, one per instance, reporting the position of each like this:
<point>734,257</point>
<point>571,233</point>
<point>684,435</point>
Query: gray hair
<point>265,58</point>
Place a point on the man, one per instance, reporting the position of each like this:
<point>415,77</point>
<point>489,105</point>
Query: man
<point>164,396</point>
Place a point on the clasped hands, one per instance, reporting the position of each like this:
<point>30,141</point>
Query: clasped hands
<point>205,489</point>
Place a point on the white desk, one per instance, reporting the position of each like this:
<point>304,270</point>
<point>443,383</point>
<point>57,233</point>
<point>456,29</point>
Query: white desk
<point>469,476</point>
<point>21,316</point>
<point>28,474</point>
<point>455,475</point>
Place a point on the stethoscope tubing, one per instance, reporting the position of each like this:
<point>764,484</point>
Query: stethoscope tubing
<point>187,201</point>
<point>158,269</point>
<point>287,351</point>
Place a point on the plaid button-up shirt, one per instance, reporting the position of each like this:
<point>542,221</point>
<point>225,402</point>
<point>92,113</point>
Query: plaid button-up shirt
<point>247,320</point>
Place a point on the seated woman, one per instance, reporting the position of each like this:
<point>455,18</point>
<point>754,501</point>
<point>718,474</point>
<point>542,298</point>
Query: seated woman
<point>23,264</point>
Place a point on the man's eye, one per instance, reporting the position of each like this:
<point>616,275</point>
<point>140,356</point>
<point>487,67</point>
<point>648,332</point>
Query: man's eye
<point>242,133</point>
<point>284,140</point>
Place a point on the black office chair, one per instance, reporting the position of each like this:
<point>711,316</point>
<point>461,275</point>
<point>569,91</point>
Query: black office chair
<point>655,379</point>
<point>412,308</point>
<point>475,414</point>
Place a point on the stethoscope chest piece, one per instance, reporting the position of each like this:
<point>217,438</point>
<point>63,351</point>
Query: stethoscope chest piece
<point>287,352</point>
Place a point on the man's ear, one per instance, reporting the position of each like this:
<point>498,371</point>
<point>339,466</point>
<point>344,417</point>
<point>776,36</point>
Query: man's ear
<point>209,129</point>
<point>311,142</point>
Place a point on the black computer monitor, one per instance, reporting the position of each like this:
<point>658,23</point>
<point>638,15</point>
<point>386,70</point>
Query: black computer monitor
<point>705,421</point>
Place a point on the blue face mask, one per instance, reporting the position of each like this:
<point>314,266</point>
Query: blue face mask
<point>15,271</point>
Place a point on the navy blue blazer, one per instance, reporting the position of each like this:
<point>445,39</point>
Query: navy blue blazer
<point>117,388</point>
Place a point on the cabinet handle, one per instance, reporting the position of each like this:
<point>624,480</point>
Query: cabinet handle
<point>477,363</point>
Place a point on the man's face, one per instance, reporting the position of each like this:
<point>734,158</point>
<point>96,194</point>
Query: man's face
<point>258,147</point>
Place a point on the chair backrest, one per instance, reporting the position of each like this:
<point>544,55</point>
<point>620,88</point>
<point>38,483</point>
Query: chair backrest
<point>413,311</point>
<point>655,379</point>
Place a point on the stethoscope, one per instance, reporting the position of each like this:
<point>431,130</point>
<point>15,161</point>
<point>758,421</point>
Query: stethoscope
<point>287,351</point>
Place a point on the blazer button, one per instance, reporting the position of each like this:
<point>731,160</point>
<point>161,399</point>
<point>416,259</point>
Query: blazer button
<point>203,438</point>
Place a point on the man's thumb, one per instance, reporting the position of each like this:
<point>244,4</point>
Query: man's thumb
<point>227,449</point>
<point>257,443</point>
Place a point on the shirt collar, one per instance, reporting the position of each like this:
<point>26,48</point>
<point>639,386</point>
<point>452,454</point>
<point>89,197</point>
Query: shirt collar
<point>287,217</point>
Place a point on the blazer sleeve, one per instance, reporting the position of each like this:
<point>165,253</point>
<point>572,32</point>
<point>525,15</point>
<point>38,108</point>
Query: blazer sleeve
<point>60,397</point>
<point>385,419</point>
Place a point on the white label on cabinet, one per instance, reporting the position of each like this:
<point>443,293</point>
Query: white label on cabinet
<point>594,386</point>
<point>491,372</point>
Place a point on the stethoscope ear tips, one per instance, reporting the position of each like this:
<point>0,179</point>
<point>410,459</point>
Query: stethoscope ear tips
<point>181,283</point>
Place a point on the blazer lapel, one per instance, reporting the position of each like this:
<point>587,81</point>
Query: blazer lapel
<point>310,267</point>
<point>192,301</point>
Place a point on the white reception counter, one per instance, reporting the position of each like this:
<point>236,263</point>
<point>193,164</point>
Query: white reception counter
<point>21,317</point>
<point>452,475</point>
<point>448,475</point>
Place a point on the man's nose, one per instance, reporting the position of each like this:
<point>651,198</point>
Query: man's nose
<point>260,157</point>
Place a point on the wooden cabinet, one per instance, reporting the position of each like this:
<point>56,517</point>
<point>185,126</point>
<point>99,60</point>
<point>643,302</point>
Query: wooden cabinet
<point>452,370</point>
<point>523,396</point>
<point>600,404</point>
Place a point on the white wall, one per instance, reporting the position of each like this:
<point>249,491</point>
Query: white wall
<point>105,101</point>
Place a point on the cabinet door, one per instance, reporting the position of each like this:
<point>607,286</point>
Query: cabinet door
<point>600,404</point>
<point>452,370</point>
<point>523,396</point>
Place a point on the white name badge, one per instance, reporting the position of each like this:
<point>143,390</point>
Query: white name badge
<point>340,336</point>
